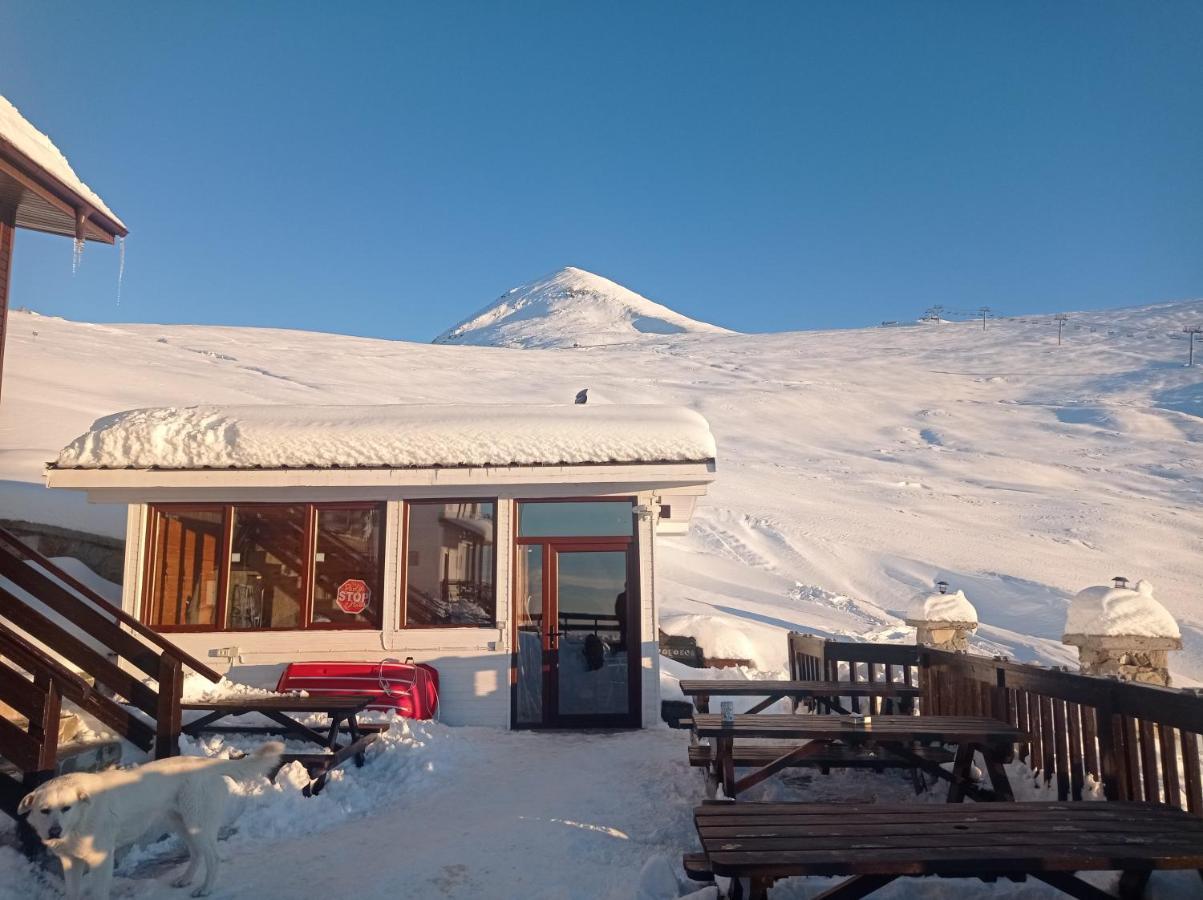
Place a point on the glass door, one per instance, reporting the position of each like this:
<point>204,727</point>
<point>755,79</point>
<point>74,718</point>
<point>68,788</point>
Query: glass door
<point>594,662</point>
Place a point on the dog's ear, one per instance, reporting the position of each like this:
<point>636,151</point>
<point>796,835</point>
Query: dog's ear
<point>25,805</point>
<point>84,796</point>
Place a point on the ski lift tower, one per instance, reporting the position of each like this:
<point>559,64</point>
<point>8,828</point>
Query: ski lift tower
<point>41,192</point>
<point>1191,331</point>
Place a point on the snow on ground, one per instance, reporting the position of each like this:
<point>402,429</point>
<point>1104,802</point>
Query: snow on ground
<point>467,813</point>
<point>856,467</point>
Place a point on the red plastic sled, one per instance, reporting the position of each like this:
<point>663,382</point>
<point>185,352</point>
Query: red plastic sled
<point>412,689</point>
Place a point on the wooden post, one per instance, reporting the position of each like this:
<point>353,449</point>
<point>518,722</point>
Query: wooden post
<point>167,724</point>
<point>45,729</point>
<point>8,230</point>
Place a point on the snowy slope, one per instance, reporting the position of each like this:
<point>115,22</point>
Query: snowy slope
<point>856,467</point>
<point>570,308</point>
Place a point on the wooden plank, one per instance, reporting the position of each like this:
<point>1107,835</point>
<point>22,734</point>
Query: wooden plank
<point>18,746</point>
<point>52,635</point>
<point>19,692</point>
<point>78,613</point>
<point>1035,726</point>
<point>1061,749</point>
<point>167,715</point>
<point>1131,758</point>
<point>282,703</point>
<point>1090,746</point>
<point>1077,767</point>
<point>76,689</point>
<point>802,689</point>
<point>7,233</point>
<point>1191,775</point>
<point>15,545</point>
<point>1168,742</point>
<point>1048,739</point>
<point>1148,761</point>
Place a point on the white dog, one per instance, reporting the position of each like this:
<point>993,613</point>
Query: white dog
<point>84,817</point>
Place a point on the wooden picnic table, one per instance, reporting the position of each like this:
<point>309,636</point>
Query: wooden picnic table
<point>896,735</point>
<point>341,710</point>
<point>876,843</point>
<point>826,692</point>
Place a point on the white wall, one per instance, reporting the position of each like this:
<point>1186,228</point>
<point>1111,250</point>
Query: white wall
<point>473,663</point>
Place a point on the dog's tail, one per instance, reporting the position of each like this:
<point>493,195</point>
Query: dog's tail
<point>260,762</point>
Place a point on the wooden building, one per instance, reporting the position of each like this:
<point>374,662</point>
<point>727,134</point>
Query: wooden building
<point>511,547</point>
<point>41,192</point>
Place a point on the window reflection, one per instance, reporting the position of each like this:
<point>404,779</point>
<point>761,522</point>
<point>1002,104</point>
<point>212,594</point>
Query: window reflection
<point>576,518</point>
<point>187,554</point>
<point>450,564</point>
<point>347,566</point>
<point>267,555</point>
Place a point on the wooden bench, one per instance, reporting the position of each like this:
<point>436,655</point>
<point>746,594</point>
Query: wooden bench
<point>825,756</point>
<point>877,843</point>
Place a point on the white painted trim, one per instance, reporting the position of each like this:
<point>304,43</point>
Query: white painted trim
<point>636,476</point>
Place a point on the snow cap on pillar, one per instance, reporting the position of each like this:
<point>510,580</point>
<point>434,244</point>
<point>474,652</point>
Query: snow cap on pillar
<point>1122,631</point>
<point>941,618</point>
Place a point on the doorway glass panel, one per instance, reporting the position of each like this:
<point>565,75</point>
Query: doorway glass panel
<point>592,675</point>
<point>529,618</point>
<point>576,518</point>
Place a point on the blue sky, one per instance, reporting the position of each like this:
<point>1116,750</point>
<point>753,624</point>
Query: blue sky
<point>388,169</point>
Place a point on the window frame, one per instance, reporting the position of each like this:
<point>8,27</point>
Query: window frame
<point>403,566</point>
<point>149,607</point>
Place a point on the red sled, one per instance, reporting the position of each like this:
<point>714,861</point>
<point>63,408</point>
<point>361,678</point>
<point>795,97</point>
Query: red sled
<point>412,689</point>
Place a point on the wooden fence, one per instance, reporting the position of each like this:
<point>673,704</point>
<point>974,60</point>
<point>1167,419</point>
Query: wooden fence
<point>818,659</point>
<point>1136,742</point>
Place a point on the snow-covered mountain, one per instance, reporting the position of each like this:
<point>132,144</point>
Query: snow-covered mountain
<point>855,467</point>
<point>570,308</point>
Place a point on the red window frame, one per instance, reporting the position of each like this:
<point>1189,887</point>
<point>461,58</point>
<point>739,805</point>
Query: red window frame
<point>149,604</point>
<point>403,567</point>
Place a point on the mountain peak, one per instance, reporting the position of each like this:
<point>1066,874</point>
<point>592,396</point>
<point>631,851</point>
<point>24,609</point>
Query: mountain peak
<point>570,307</point>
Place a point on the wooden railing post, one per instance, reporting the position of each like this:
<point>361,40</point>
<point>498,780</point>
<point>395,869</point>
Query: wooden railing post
<point>1107,727</point>
<point>44,729</point>
<point>167,724</point>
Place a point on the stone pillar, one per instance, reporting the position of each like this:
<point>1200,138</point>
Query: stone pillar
<point>1128,657</point>
<point>1122,632</point>
<point>942,620</point>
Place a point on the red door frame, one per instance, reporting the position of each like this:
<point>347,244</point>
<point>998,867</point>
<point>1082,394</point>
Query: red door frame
<point>550,616</point>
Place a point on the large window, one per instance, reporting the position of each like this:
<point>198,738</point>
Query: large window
<point>265,566</point>
<point>185,579</point>
<point>450,565</point>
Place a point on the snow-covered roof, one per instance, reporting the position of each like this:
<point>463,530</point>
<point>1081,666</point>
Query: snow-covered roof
<point>936,607</point>
<point>31,143</point>
<point>281,437</point>
<point>1119,611</point>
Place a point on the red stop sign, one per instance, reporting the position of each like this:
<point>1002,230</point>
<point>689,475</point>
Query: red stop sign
<point>353,596</point>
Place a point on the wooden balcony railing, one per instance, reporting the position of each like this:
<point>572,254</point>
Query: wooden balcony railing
<point>67,620</point>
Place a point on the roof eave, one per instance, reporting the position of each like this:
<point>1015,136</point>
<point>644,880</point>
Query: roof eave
<point>98,225</point>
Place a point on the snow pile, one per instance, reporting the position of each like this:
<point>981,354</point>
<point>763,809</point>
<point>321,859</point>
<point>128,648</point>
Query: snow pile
<point>570,308</point>
<point>1115,611</point>
<point>247,437</point>
<point>27,140</point>
<point>718,636</point>
<point>937,607</point>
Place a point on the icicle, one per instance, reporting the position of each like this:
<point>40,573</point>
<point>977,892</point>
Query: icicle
<point>77,255</point>
<point>120,267</point>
